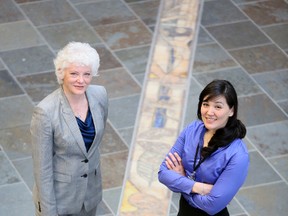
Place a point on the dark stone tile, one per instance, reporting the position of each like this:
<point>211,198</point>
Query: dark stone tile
<point>25,169</point>
<point>16,199</point>
<point>127,134</point>
<point>267,12</point>
<point>112,198</point>
<point>102,209</point>
<point>265,200</point>
<point>235,35</point>
<point>211,57</point>
<point>60,34</point>
<point>16,141</point>
<point>9,12</point>
<point>242,82</point>
<point>279,34</point>
<point>234,208</point>
<point>260,171</point>
<point>28,60</point>
<point>18,35</point>
<point>113,169</point>
<point>49,12</point>
<point>8,175</point>
<point>118,83</point>
<point>270,139</point>
<point>147,11</point>
<point>107,59</point>
<point>192,101</point>
<point>126,106</point>
<point>39,86</point>
<point>134,59</point>
<point>112,142</point>
<point>221,11</point>
<point>284,105</point>
<point>204,37</point>
<point>261,59</point>
<point>259,109</point>
<point>274,83</point>
<point>15,111</point>
<point>125,35</point>
<point>8,87</point>
<point>105,12</point>
<point>281,165</point>
<point>140,78</point>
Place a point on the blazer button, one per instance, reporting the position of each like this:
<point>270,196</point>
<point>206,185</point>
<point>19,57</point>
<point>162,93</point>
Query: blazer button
<point>85,161</point>
<point>84,176</point>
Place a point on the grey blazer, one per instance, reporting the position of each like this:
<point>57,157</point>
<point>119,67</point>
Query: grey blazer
<point>66,175</point>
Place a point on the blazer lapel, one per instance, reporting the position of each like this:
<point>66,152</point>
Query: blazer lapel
<point>72,122</point>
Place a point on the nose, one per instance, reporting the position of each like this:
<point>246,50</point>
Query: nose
<point>80,79</point>
<point>210,110</point>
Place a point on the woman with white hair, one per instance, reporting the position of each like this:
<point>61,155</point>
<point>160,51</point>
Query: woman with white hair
<point>67,128</point>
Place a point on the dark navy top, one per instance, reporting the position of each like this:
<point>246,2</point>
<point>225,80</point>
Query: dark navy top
<point>87,129</point>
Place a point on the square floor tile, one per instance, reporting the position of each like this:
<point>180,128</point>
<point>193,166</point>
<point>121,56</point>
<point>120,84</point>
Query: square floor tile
<point>9,12</point>
<point>267,12</point>
<point>8,86</point>
<point>105,12</point>
<point>107,59</point>
<point>127,134</point>
<point>102,209</point>
<point>111,141</point>
<point>61,34</point>
<point>113,168</point>
<point>147,11</point>
<point>279,34</point>
<point>8,174</point>
<point>284,105</point>
<point>271,140</point>
<point>261,59</point>
<point>15,111</point>
<point>274,83</point>
<point>257,177</point>
<point>259,109</point>
<point>25,169</point>
<point>17,35</point>
<point>134,59</point>
<point>221,11</point>
<point>241,81</point>
<point>28,60</point>
<point>124,35</point>
<point>204,37</point>
<point>112,198</point>
<point>39,86</point>
<point>16,199</point>
<point>118,83</point>
<point>265,200</point>
<point>49,12</point>
<point>235,35</point>
<point>281,165</point>
<point>16,141</point>
<point>126,106</point>
<point>211,57</point>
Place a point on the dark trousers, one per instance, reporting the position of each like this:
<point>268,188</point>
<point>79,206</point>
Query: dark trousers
<point>187,210</point>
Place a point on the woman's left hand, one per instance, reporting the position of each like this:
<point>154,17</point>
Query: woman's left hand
<point>174,162</point>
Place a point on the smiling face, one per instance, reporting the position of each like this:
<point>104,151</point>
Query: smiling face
<point>76,79</point>
<point>215,113</point>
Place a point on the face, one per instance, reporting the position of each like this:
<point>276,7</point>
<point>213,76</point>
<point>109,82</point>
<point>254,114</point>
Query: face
<point>215,113</point>
<point>76,79</point>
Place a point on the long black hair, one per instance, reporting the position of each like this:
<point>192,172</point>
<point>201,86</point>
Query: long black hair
<point>234,127</point>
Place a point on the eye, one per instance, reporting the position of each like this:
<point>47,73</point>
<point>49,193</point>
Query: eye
<point>205,104</point>
<point>87,74</point>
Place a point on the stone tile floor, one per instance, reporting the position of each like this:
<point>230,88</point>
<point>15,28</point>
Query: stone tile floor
<point>244,41</point>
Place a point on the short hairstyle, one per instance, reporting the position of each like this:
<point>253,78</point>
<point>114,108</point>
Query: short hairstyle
<point>78,53</point>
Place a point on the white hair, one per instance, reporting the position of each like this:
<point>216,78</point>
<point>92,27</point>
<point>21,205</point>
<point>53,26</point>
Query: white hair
<point>76,53</point>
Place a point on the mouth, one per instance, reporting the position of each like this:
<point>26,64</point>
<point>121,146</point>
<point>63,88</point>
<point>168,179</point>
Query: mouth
<point>210,120</point>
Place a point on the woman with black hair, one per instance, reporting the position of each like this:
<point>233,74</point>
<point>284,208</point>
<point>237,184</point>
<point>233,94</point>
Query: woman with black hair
<point>209,161</point>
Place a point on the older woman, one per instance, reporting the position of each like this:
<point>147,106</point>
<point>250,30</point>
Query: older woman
<point>67,128</point>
